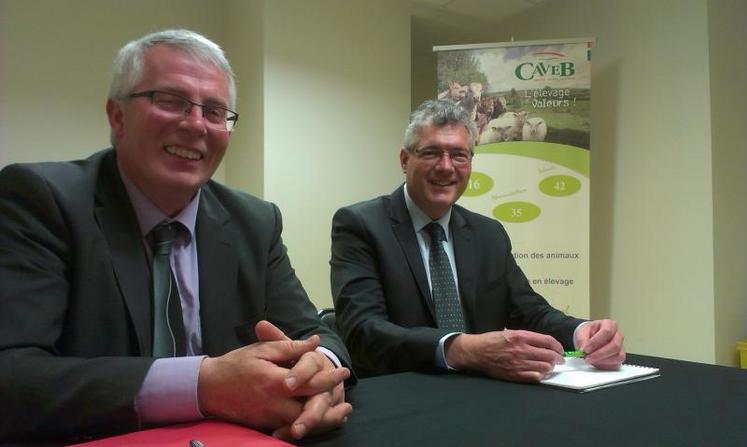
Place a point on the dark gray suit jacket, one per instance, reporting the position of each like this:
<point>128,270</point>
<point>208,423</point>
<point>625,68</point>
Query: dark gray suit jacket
<point>75,312</point>
<point>381,293</point>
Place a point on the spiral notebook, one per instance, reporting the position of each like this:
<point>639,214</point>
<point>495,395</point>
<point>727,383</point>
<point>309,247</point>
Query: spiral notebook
<point>576,375</point>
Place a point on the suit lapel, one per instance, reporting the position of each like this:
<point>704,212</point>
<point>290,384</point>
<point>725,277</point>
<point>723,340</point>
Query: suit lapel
<point>405,233</point>
<point>118,223</point>
<point>217,262</point>
<point>465,248</point>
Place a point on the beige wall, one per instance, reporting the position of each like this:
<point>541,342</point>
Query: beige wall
<point>244,44</point>
<point>54,68</point>
<point>668,195</point>
<point>727,29</point>
<point>336,102</point>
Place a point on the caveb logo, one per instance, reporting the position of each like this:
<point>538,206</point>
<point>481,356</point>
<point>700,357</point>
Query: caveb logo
<point>530,70</point>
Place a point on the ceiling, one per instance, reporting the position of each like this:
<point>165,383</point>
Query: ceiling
<point>490,11</point>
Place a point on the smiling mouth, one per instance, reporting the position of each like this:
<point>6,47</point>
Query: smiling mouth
<point>183,152</point>
<point>442,183</point>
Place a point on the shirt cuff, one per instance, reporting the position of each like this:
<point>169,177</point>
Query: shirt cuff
<point>331,355</point>
<point>441,355</point>
<point>575,345</point>
<point>169,391</point>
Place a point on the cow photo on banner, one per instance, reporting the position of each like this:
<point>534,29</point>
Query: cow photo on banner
<point>531,104</point>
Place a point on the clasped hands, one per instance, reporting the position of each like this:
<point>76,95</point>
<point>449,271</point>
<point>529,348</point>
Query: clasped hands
<point>277,384</point>
<point>525,356</point>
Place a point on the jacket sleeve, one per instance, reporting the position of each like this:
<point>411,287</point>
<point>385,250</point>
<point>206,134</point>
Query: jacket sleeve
<point>45,393</point>
<point>377,345</point>
<point>529,310</point>
<point>288,305</point>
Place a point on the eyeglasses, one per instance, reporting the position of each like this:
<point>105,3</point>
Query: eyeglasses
<point>433,155</point>
<point>216,117</point>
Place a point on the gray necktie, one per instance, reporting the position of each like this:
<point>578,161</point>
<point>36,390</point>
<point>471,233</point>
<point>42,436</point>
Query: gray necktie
<point>443,288</point>
<point>168,326</point>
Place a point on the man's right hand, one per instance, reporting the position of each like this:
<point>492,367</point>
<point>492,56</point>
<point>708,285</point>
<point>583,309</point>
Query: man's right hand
<point>520,356</point>
<point>248,385</point>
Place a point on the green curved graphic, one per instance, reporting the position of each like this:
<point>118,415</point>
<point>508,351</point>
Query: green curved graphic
<point>571,157</point>
<point>479,184</point>
<point>559,185</point>
<point>516,212</point>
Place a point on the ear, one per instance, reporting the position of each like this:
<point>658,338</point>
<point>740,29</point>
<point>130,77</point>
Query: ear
<point>116,117</point>
<point>404,157</point>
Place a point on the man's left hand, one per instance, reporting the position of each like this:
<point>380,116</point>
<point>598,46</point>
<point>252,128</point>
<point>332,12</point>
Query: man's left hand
<point>319,380</point>
<point>602,342</point>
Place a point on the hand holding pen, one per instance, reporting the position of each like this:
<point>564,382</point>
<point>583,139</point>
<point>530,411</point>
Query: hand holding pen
<point>602,343</point>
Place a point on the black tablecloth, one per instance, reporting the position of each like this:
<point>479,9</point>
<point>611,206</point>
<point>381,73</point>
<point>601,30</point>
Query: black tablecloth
<point>691,404</point>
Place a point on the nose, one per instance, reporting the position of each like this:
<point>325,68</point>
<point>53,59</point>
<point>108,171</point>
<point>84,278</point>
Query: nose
<point>445,162</point>
<point>193,111</point>
<point>194,120</point>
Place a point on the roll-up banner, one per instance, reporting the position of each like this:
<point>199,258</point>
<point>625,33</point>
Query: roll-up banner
<point>531,104</point>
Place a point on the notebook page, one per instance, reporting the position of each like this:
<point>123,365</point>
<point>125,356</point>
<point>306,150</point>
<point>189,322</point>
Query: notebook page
<point>578,375</point>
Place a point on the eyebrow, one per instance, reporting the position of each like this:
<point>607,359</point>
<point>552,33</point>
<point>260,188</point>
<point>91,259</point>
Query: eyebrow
<point>452,149</point>
<point>210,101</point>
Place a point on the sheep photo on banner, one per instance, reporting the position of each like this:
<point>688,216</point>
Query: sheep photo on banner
<point>531,103</point>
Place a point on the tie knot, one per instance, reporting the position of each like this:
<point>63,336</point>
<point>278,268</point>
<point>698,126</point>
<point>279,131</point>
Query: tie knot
<point>163,237</point>
<point>436,232</point>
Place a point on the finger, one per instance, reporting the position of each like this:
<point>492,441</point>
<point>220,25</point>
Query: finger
<point>523,371</point>
<point>333,417</point>
<point>281,412</point>
<point>541,368</point>
<point>611,363</point>
<point>320,415</point>
<point>338,394</point>
<point>266,331</point>
<point>338,414</point>
<point>286,351</point>
<point>528,354</point>
<point>543,349</point>
<point>283,433</point>
<point>312,375</point>
<point>312,414</point>
<point>305,368</point>
<point>323,382</point>
<point>552,344</point>
<point>609,356</point>
<point>600,334</point>
<point>534,339</point>
<point>267,412</point>
<point>609,348</point>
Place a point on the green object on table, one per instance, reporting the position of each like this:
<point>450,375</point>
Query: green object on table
<point>578,354</point>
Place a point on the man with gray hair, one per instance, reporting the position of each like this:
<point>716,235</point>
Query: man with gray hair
<point>135,291</point>
<point>420,283</point>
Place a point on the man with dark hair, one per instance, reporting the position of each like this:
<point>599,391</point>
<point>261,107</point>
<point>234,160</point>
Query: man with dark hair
<point>135,291</point>
<point>420,283</point>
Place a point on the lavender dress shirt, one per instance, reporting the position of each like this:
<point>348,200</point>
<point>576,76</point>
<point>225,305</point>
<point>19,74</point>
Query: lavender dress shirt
<point>169,390</point>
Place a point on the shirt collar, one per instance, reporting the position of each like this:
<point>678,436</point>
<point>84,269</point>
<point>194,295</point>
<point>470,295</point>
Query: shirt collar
<point>148,215</point>
<point>420,219</point>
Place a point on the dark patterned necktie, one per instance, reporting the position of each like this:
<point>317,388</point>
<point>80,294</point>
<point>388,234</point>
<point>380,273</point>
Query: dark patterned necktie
<point>443,288</point>
<point>168,326</point>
